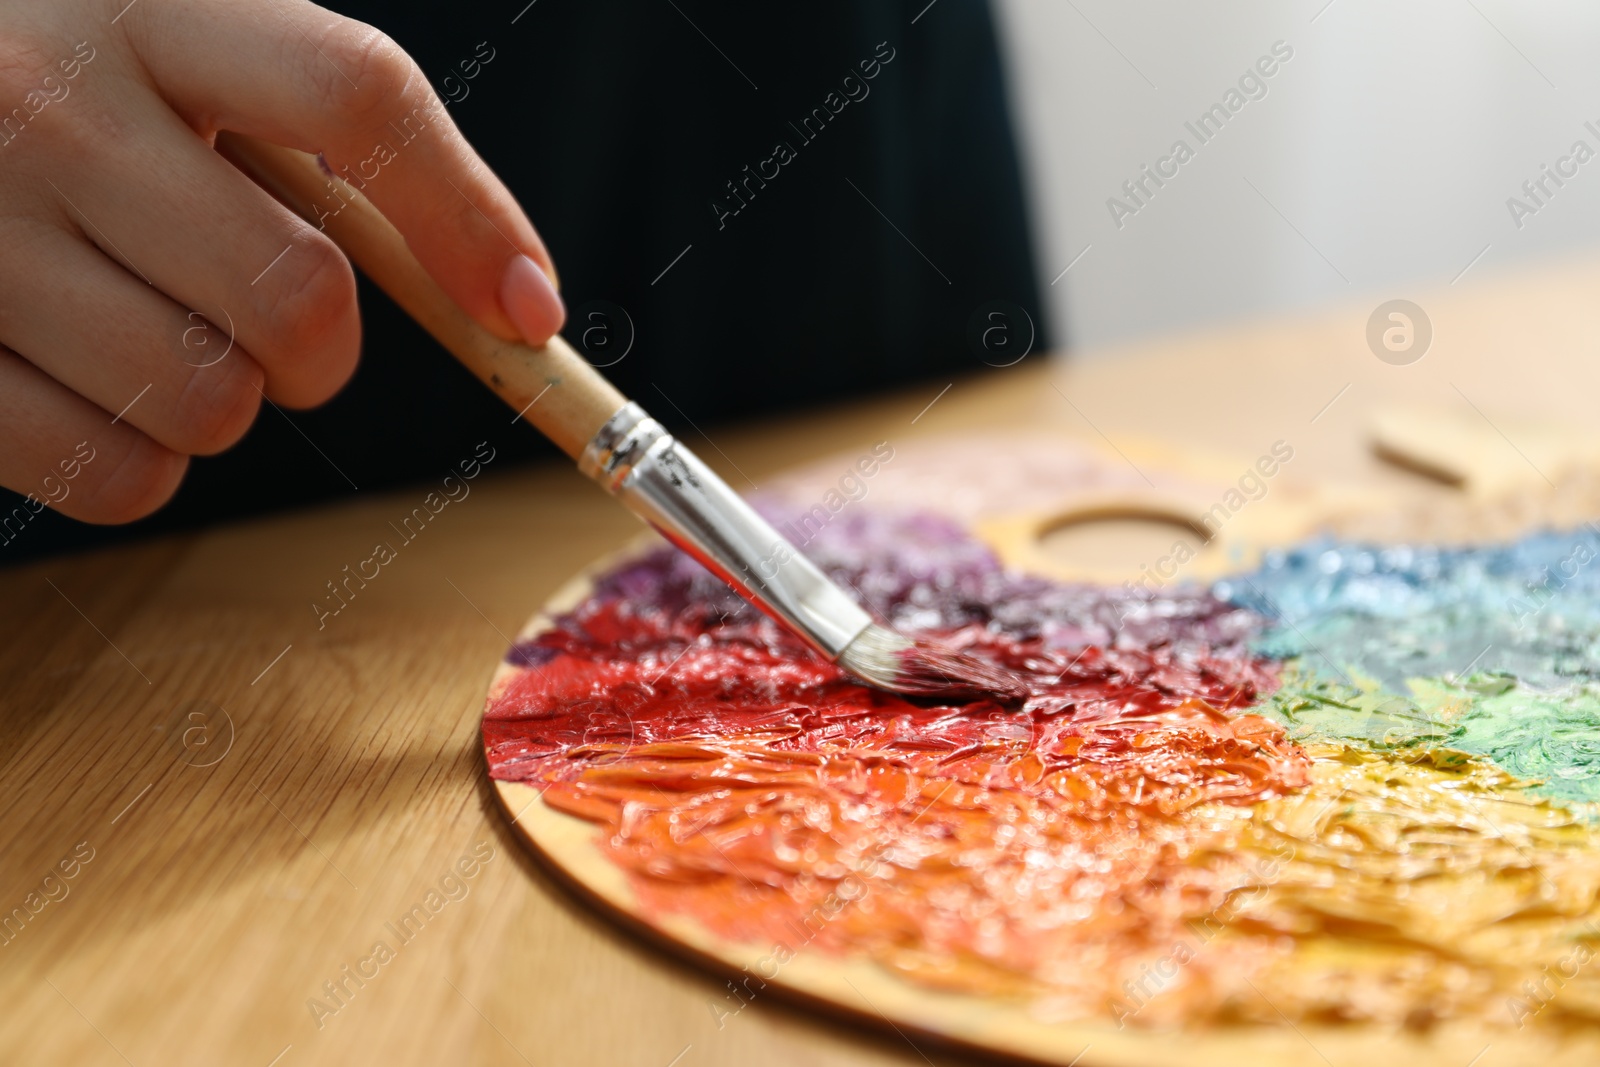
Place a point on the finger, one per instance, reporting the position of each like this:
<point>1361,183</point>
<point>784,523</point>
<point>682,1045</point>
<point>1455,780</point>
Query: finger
<point>65,452</point>
<point>121,344</point>
<point>340,88</point>
<point>179,217</point>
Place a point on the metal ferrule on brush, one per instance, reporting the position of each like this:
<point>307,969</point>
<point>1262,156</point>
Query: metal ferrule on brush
<point>666,485</point>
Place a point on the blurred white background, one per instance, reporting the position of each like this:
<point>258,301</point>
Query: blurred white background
<point>1390,141</point>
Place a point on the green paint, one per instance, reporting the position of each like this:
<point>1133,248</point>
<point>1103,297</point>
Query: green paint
<point>1554,737</point>
<point>1549,737</point>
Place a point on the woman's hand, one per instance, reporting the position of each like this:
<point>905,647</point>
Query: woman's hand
<point>150,294</point>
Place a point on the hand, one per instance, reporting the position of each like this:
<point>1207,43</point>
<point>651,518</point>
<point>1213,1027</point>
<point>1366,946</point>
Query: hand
<point>150,294</point>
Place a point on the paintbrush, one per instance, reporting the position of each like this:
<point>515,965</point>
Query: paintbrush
<point>630,454</point>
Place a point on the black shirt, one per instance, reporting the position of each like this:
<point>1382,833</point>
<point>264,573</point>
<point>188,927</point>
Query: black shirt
<point>787,203</point>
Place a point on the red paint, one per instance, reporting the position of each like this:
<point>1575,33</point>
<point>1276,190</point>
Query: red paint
<point>619,678</point>
<point>745,781</point>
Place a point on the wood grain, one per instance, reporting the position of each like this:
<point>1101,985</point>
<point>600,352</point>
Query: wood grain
<point>220,899</point>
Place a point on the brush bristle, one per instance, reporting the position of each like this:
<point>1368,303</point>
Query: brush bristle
<point>888,660</point>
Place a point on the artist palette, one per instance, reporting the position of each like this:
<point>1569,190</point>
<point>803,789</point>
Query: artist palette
<point>1321,791</point>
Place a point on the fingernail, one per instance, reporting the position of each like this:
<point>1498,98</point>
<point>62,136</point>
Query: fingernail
<point>530,301</point>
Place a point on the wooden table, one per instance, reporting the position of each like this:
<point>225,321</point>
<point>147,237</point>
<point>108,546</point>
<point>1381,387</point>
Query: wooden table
<point>259,799</point>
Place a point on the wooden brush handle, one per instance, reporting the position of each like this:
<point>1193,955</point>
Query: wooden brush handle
<point>573,400</point>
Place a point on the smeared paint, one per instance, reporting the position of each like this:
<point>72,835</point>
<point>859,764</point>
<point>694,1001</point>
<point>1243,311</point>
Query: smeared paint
<point>1492,650</point>
<point>1551,738</point>
<point>1160,834</point>
<point>1529,609</point>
